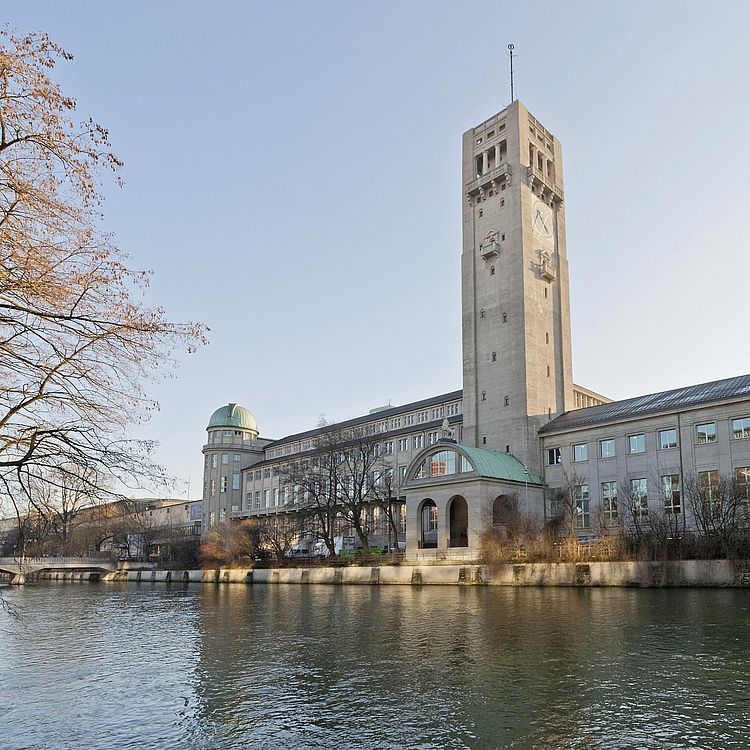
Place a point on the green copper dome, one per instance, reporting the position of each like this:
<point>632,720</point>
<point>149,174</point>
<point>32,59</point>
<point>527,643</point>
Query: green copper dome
<point>233,415</point>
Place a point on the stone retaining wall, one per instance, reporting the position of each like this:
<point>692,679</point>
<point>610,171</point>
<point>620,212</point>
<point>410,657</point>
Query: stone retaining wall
<point>641,574</point>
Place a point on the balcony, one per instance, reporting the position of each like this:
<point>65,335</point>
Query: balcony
<point>547,271</point>
<point>538,179</point>
<point>485,180</point>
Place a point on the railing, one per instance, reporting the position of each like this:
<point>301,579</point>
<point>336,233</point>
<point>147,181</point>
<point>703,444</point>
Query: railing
<point>492,174</point>
<point>52,559</point>
<point>536,174</point>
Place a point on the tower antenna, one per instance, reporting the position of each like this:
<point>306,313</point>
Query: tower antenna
<point>510,50</point>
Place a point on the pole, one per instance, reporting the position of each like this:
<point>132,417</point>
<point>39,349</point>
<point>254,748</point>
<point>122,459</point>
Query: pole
<point>512,95</point>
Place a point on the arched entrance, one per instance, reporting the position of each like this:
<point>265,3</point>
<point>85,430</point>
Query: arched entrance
<point>504,510</point>
<point>459,522</point>
<point>428,524</point>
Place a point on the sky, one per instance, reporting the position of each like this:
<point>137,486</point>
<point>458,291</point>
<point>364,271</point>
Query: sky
<point>293,179</point>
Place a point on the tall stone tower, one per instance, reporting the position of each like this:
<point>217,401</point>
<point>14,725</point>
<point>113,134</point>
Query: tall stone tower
<point>514,270</point>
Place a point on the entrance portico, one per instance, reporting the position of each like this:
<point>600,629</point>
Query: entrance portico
<point>451,490</point>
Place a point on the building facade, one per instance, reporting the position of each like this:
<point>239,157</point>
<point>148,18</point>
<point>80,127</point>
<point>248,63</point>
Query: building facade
<point>519,429</point>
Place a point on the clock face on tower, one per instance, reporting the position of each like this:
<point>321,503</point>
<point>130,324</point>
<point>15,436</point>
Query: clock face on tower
<point>543,223</point>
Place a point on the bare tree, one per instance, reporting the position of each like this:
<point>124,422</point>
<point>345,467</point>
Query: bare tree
<point>77,343</point>
<point>230,544</point>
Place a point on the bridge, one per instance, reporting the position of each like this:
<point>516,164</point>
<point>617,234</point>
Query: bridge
<point>19,567</point>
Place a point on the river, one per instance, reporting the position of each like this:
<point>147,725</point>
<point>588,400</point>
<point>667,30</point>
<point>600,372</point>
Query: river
<point>91,666</point>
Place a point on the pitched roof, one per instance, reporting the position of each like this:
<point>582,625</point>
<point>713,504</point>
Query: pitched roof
<point>498,465</point>
<point>653,403</point>
<point>373,417</point>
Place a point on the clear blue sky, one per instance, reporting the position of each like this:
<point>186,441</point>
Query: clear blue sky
<point>293,179</point>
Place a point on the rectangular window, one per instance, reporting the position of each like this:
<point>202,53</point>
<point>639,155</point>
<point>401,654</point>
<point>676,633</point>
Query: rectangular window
<point>670,485</point>
<point>742,475</point>
<point>607,448</point>
<point>258,474</point>
<point>423,416</point>
<point>433,437</point>
<point>667,439</point>
<point>639,497</point>
<point>276,497</point>
<point>580,452</point>
<point>401,475</point>
<point>396,423</point>
<point>266,495</point>
<point>213,488</point>
<point>741,428</point>
<point>223,486</point>
<point>637,443</point>
<point>554,456</point>
<point>402,518</point>
<point>418,442</point>
<point>236,457</point>
<point>706,433</point>
<point>609,502</point>
<point>388,447</point>
<point>222,515</point>
<point>213,460</point>
<point>409,420</point>
<point>235,481</point>
<point>582,513</point>
<point>403,444</point>
<point>257,500</point>
<point>225,458</point>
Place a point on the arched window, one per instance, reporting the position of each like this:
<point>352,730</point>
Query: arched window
<point>441,464</point>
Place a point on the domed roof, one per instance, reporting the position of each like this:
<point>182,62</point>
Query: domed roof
<point>233,415</point>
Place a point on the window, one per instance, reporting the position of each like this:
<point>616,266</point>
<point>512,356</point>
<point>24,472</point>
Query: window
<point>236,457</point>
<point>492,270</point>
<point>388,447</point>
<point>257,500</point>
<point>423,416</point>
<point>258,474</point>
<point>235,481</point>
<point>609,502</point>
<point>214,460</point>
<point>706,433</point>
<point>227,433</point>
<point>409,420</point>
<point>438,413</point>
<point>607,448</point>
<point>396,423</point>
<point>266,495</point>
<point>222,515</point>
<point>741,428</point>
<point>667,439</point>
<point>505,317</point>
<point>670,485</point>
<point>580,452</point>
<point>213,488</point>
<point>401,475</point>
<point>418,442</point>
<point>402,518</point>
<point>582,512</point>
<point>454,409</point>
<point>267,473</point>
<point>224,458</point>
<point>433,437</point>
<point>223,486</point>
<point>484,395</point>
<point>403,444</point>
<point>554,456</point>
<point>743,482</point>
<point>637,443</point>
<point>639,497</point>
<point>507,400</point>
<point>442,464</point>
<point>494,356</point>
<point>481,212</point>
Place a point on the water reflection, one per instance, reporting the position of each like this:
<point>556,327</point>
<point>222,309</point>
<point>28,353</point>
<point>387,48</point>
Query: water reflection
<point>376,667</point>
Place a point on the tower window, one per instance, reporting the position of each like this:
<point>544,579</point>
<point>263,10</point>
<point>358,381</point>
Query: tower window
<point>503,238</point>
<point>492,270</point>
<point>502,201</point>
<point>545,292</point>
<point>494,356</point>
<point>484,440</point>
<point>547,370</point>
<point>481,313</point>
<point>507,400</point>
<point>505,317</point>
<point>484,395</point>
<point>481,212</point>
<point>546,337</point>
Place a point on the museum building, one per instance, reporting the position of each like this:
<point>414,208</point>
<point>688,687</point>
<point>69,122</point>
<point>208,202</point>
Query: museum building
<point>520,428</point>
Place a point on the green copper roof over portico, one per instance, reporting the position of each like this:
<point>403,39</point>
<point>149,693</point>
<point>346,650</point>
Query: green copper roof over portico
<point>497,465</point>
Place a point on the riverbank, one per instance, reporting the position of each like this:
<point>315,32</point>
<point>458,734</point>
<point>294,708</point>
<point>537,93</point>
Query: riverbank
<point>682,573</point>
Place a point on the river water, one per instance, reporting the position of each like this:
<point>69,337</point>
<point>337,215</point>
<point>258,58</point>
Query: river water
<point>112,666</point>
